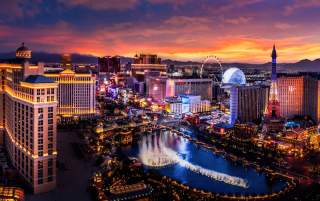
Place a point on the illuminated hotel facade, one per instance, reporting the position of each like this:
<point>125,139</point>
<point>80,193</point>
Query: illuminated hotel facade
<point>298,95</point>
<point>252,102</point>
<point>187,104</point>
<point>159,88</point>
<point>28,102</point>
<point>76,94</point>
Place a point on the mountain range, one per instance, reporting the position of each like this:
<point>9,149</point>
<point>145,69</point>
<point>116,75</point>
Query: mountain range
<point>302,65</point>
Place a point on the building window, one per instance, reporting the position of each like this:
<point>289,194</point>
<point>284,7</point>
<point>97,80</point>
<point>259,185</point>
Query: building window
<point>50,121</point>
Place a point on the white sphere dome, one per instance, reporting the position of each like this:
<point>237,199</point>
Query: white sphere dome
<point>233,76</point>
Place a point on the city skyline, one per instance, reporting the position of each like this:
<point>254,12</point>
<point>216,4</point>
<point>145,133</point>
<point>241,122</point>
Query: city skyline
<point>235,31</point>
<point>152,100</point>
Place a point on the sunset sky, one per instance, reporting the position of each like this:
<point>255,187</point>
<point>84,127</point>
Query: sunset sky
<point>233,30</point>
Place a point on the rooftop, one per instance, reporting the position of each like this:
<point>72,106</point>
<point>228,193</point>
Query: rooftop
<point>38,79</point>
<point>67,71</point>
<point>22,48</point>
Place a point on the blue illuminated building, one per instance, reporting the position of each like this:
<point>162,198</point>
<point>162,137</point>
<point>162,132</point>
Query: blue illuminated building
<point>231,78</point>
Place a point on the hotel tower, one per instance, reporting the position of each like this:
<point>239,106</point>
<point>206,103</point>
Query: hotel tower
<point>28,102</point>
<point>76,94</point>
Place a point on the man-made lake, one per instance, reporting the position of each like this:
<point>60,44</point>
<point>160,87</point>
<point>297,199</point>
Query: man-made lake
<point>176,157</point>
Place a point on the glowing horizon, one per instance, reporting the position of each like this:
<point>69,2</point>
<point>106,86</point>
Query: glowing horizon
<point>186,30</point>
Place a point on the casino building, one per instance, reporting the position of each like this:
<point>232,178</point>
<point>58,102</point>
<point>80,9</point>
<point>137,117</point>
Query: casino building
<point>159,88</point>
<point>28,106</point>
<point>298,95</point>
<point>252,102</point>
<point>76,94</point>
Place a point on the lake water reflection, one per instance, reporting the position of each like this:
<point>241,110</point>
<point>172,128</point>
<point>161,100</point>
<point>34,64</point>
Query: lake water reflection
<point>198,167</point>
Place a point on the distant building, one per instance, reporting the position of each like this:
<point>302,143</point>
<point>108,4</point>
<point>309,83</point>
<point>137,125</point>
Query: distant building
<point>28,102</point>
<point>156,88</point>
<point>252,102</point>
<point>146,65</point>
<point>217,92</point>
<point>109,64</point>
<point>298,95</point>
<point>186,104</point>
<point>197,86</point>
<point>146,59</point>
<point>76,94</point>
<point>11,194</point>
<point>66,62</point>
<point>159,88</point>
<point>23,52</point>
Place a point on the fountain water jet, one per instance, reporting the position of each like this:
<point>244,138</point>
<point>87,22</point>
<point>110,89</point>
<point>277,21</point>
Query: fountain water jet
<point>154,153</point>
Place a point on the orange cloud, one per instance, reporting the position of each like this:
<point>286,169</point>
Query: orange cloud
<point>178,37</point>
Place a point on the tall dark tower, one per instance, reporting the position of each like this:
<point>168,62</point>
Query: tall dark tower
<point>274,64</point>
<point>273,105</point>
<point>273,122</point>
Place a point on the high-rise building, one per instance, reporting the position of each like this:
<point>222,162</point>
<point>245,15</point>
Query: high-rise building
<point>298,95</point>
<point>28,102</point>
<point>252,102</point>
<point>76,94</point>
<point>66,62</point>
<point>109,64</point>
<point>146,65</point>
<point>146,59</point>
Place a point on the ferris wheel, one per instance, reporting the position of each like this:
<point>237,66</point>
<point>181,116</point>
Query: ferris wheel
<point>208,61</point>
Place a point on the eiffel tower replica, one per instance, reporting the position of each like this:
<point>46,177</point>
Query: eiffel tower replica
<point>273,122</point>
